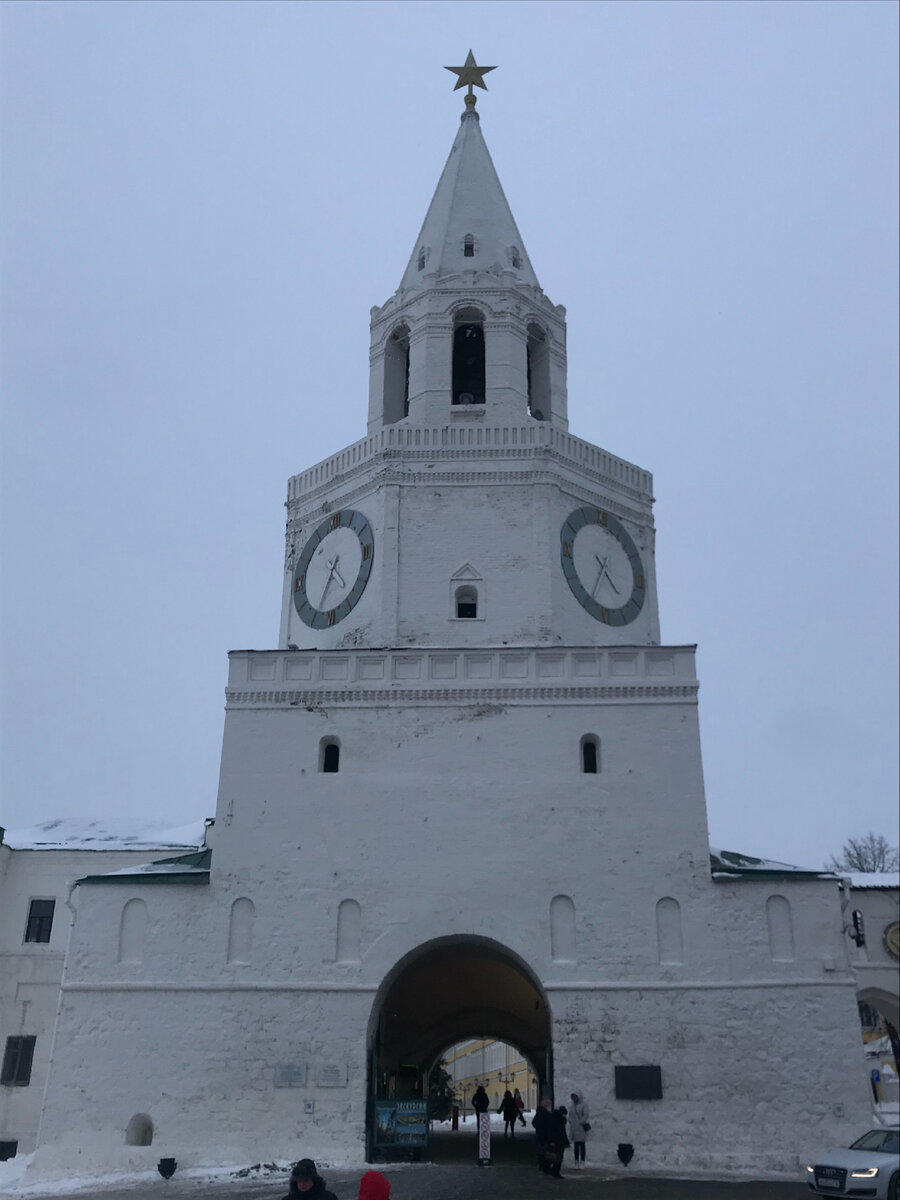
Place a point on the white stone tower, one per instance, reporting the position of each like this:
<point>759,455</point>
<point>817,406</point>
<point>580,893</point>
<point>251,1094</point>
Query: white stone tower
<point>463,798</point>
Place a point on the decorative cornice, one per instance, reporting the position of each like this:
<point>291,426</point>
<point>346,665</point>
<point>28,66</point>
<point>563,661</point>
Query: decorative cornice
<point>534,440</point>
<point>404,697</point>
<point>606,985</point>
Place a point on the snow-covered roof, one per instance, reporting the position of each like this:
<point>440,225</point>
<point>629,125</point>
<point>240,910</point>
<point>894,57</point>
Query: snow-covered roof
<point>875,879</point>
<point>729,864</point>
<point>86,833</point>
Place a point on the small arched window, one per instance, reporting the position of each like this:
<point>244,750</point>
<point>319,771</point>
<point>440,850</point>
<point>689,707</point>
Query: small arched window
<point>139,1131</point>
<point>468,246</point>
<point>466,603</point>
<point>590,754</point>
<point>515,257</point>
<point>329,756</point>
<point>420,263</point>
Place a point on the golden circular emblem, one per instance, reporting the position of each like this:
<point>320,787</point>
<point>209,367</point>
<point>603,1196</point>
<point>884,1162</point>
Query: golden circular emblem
<point>892,938</point>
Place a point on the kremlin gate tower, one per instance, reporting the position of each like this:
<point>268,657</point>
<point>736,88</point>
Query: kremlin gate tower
<point>470,684</point>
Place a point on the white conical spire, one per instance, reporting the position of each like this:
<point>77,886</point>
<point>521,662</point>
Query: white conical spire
<point>468,203</point>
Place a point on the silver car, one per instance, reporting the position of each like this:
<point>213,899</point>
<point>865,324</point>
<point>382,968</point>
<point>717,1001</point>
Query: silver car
<point>870,1167</point>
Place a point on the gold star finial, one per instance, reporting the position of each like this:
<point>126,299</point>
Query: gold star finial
<point>468,75</point>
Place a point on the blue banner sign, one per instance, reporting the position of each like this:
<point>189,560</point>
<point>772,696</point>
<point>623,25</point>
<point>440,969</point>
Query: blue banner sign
<point>401,1123</point>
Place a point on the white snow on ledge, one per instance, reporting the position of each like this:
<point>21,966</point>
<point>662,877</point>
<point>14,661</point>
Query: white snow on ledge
<point>84,833</point>
<point>873,879</point>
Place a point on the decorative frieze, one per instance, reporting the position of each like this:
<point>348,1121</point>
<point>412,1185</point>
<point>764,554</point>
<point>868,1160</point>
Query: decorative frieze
<point>459,676</point>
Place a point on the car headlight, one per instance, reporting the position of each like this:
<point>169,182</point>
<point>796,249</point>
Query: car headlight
<point>810,1170</point>
<point>866,1173</point>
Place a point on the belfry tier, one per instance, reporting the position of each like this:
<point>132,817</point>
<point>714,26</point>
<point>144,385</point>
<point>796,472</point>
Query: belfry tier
<point>445,525</point>
<point>469,326</point>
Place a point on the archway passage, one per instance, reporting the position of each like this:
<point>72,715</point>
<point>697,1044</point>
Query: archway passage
<point>441,994</point>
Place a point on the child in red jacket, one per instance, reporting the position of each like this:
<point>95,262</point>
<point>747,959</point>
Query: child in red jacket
<point>374,1186</point>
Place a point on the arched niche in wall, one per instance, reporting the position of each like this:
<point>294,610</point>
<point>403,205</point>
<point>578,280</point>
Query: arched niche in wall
<point>537,349</point>
<point>669,940</point>
<point>348,931</point>
<point>562,929</point>
<point>396,375</point>
<point>139,1131</point>
<point>132,928</point>
<point>240,931</point>
<point>781,929</point>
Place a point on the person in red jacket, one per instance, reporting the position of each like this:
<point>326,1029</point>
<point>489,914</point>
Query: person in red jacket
<point>374,1186</point>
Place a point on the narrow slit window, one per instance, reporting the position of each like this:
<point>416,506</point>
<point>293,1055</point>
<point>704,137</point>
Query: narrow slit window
<point>590,755</point>
<point>330,757</point>
<point>468,246</point>
<point>421,260</point>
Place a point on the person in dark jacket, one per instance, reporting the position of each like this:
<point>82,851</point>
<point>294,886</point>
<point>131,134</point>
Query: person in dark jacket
<point>306,1181</point>
<point>542,1122</point>
<point>374,1186</point>
<point>558,1140</point>
<point>509,1112</point>
<point>480,1101</point>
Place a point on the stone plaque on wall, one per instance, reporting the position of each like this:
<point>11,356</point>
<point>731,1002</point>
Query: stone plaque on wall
<point>331,1075</point>
<point>290,1075</point>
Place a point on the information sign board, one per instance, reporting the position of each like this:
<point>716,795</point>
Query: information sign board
<point>401,1123</point>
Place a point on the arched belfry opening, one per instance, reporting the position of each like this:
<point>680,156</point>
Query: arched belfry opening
<point>538,372</point>
<point>443,993</point>
<point>396,375</point>
<point>468,357</point>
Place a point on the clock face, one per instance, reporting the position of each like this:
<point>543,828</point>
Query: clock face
<point>602,566</point>
<point>333,569</point>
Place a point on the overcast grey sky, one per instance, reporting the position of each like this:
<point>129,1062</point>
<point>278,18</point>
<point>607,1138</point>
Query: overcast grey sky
<point>201,201</point>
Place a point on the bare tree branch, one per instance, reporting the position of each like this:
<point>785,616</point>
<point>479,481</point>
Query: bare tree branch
<point>870,853</point>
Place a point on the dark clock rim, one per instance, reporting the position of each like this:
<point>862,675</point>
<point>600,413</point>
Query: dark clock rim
<point>321,618</point>
<point>588,514</point>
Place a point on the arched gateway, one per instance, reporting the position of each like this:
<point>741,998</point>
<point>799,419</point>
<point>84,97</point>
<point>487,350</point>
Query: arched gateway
<point>445,991</point>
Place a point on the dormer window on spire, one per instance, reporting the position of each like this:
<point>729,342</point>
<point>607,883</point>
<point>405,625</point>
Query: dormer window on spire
<point>468,246</point>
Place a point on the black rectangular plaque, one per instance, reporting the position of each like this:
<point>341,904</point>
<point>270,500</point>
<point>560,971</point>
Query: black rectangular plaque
<point>638,1083</point>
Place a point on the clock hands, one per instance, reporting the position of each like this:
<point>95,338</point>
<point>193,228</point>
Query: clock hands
<point>333,573</point>
<point>604,570</point>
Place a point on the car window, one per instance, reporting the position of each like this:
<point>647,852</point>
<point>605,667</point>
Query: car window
<point>885,1141</point>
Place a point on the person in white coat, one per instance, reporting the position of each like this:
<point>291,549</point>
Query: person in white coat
<point>579,1125</point>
